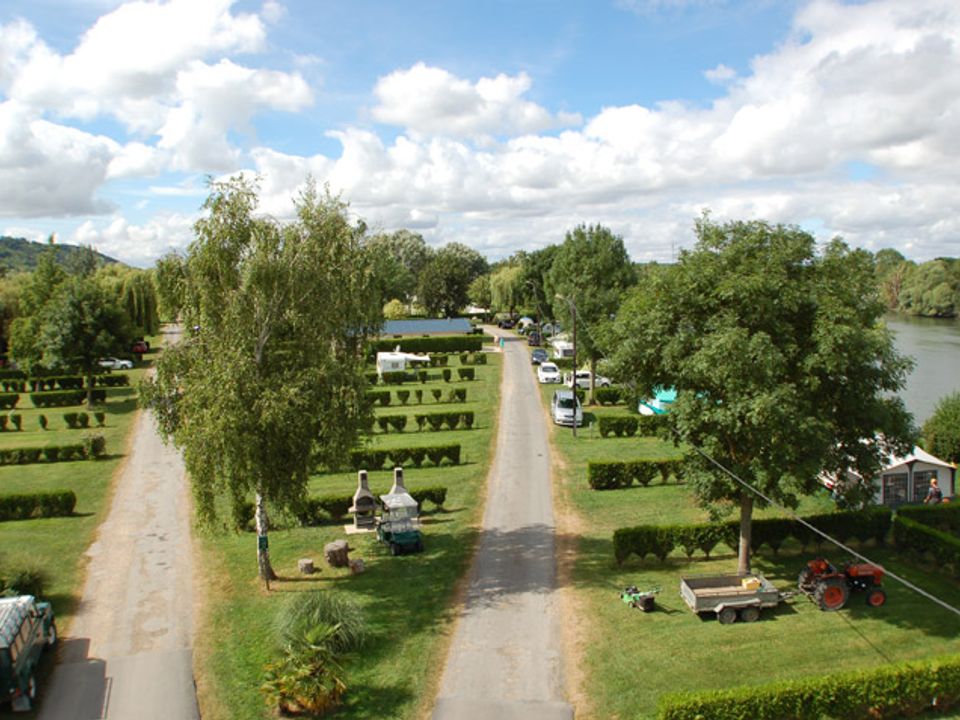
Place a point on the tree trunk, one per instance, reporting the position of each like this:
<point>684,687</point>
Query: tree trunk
<point>90,390</point>
<point>593,380</point>
<point>263,552</point>
<point>746,522</point>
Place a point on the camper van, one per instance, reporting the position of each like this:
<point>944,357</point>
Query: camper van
<point>396,361</point>
<point>26,627</point>
<point>562,349</point>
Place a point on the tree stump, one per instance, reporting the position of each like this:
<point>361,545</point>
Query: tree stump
<point>306,566</point>
<point>357,566</point>
<point>336,553</point>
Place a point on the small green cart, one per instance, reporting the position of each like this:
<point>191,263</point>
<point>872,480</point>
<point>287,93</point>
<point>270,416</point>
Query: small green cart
<point>399,524</point>
<point>26,628</point>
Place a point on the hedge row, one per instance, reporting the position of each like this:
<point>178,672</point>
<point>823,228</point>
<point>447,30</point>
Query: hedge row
<point>37,505</point>
<point>63,398</point>
<point>660,540</point>
<point>434,421</point>
<point>613,475</point>
<point>80,421</point>
<point>317,510</point>
<point>619,425</point>
<point>477,358</point>
<point>448,343</point>
<point>927,542</point>
<point>893,691</point>
<point>63,382</point>
<point>610,395</point>
<point>92,448</point>
<point>400,457</point>
<point>8,401</point>
<point>383,398</point>
<point>15,418</point>
<point>943,516</point>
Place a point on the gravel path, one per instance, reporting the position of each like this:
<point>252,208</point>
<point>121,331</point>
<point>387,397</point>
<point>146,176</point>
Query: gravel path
<point>128,654</point>
<point>505,659</point>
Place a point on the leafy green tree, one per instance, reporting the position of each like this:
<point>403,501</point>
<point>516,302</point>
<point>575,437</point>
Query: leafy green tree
<point>394,310</point>
<point>590,272</point>
<point>538,293</point>
<point>782,366</point>
<point>169,279</point>
<point>398,259</point>
<point>80,324</point>
<point>479,292</point>
<point>506,288</point>
<point>444,283</point>
<point>941,433</point>
<point>931,289</point>
<point>136,293</point>
<point>271,383</point>
<point>35,293</point>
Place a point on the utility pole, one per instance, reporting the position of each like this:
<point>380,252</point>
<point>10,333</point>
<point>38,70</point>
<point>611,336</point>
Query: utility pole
<point>573,313</point>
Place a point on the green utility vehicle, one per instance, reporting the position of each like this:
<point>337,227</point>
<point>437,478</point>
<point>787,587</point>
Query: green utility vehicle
<point>26,627</point>
<point>398,526</point>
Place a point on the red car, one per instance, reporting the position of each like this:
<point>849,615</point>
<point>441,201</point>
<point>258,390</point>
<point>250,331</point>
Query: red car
<point>140,347</point>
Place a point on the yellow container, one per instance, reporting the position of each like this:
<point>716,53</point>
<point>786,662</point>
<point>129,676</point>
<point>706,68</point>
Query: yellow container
<point>750,583</point>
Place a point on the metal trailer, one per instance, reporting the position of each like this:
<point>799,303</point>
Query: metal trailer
<point>729,596</point>
<point>26,627</point>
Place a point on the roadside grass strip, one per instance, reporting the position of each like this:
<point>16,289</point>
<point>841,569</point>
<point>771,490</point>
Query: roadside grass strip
<point>407,600</point>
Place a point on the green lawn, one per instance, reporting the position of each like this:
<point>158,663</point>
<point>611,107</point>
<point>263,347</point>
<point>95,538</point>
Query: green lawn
<point>408,600</point>
<point>629,659</point>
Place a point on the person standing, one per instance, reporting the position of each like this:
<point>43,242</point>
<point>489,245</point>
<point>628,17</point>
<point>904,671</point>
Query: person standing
<point>934,494</point>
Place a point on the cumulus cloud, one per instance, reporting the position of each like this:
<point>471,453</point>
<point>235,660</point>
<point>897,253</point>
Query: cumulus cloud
<point>432,101</point>
<point>137,245</point>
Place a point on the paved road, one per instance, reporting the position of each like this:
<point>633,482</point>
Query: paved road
<point>128,655</point>
<point>505,660</point>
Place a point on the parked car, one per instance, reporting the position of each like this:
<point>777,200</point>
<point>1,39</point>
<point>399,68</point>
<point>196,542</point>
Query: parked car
<point>548,372</point>
<point>140,347</point>
<point>112,363</point>
<point>26,627</point>
<point>583,380</point>
<point>534,339</point>
<point>506,323</point>
<point>538,356</point>
<point>565,408</point>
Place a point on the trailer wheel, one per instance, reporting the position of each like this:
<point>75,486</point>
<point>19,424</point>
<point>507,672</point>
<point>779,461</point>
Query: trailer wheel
<point>727,615</point>
<point>832,594</point>
<point>876,597</point>
<point>750,614</point>
<point>52,636</point>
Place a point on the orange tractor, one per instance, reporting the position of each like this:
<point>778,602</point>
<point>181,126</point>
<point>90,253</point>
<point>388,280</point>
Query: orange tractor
<point>830,588</point>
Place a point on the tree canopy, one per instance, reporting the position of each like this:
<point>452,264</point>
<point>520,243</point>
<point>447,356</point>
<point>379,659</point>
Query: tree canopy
<point>781,364</point>
<point>941,433</point>
<point>271,382</point>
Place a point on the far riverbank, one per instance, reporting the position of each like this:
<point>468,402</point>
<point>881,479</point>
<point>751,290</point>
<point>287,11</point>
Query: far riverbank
<point>935,347</point>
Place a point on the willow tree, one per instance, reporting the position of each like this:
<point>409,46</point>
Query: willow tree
<point>270,380</point>
<point>782,365</point>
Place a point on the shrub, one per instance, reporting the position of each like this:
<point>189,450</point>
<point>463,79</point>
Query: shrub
<point>25,581</point>
<point>443,344</point>
<point>609,395</point>
<point>3,422</point>
<point>421,420</point>
<point>446,375</point>
<point>453,420</point>
<point>383,422</point>
<point>417,456</point>
<point>382,397</point>
<point>926,542</point>
<point>63,398</point>
<point>891,691</point>
<point>403,396</point>
<point>422,375</point>
<point>42,419</point>
<point>436,495</point>
<point>459,394</point>
<point>17,420</point>
<point>468,419</point>
<point>399,456</point>
<point>45,504</point>
<point>101,418</point>
<point>439,360</point>
<point>398,422</point>
<point>83,420</point>
<point>367,459</point>
<point>114,380</point>
<point>72,420</point>
<point>52,453</point>
<point>418,394</point>
<point>372,377</point>
<point>616,474</point>
<point>95,446</point>
<point>9,400</point>
<point>466,373</point>
<point>944,516</point>
<point>619,425</point>
<point>394,378</point>
<point>479,358</point>
<point>436,420</point>
<point>437,394</point>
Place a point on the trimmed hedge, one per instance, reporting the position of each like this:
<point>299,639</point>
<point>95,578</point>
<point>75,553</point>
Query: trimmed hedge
<point>660,540</point>
<point>399,457</point>
<point>610,395</point>
<point>64,398</point>
<point>927,542</point>
<point>394,378</point>
<point>616,474</point>
<point>381,397</point>
<point>477,358</point>
<point>326,508</point>
<point>37,505</point>
<point>440,344</point>
<point>92,448</point>
<point>619,425</point>
<point>466,373</point>
<point>943,516</point>
<point>893,691</point>
<point>9,400</point>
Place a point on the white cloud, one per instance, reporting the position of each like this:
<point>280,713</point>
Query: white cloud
<point>720,74</point>
<point>137,245</point>
<point>432,101</point>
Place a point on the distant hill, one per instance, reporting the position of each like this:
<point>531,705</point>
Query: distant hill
<point>20,254</point>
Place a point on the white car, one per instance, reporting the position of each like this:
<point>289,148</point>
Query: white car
<point>565,408</point>
<point>113,363</point>
<point>583,380</point>
<point>548,372</point>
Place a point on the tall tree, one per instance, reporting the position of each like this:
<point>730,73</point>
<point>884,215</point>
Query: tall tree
<point>591,271</point>
<point>537,287</point>
<point>35,293</point>
<point>479,292</point>
<point>168,276</point>
<point>271,382</point>
<point>782,366</point>
<point>398,259</point>
<point>941,433</point>
<point>80,324</point>
<point>444,283</point>
<point>506,288</point>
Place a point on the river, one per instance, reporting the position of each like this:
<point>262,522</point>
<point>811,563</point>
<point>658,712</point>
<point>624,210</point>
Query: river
<point>935,347</point>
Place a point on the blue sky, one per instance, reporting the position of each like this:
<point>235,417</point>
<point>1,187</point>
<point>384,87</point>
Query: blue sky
<point>498,124</point>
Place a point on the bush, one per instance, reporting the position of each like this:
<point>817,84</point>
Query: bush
<point>422,375</point>
<point>609,395</point>
<point>394,378</point>
<point>943,516</point>
<point>421,420</point>
<point>372,377</point>
<point>117,380</point>
<point>9,400</point>
<point>892,691</point>
<point>941,433</point>
<point>436,420</point>
<point>3,422</point>
<point>101,418</point>
<point>382,397</point>
<point>42,419</point>
<point>403,396</point>
<point>616,474</point>
<point>63,398</point>
<point>436,495</point>
<point>24,581</point>
<point>446,375</point>
<point>46,504</point>
<point>72,420</point>
<point>83,420</point>
<point>468,419</point>
<point>453,420</point>
<point>619,425</point>
<point>17,420</point>
<point>398,422</point>
<point>418,394</point>
<point>416,455</point>
<point>95,446</point>
<point>442,344</point>
<point>458,395</point>
<point>927,543</point>
<point>479,358</point>
<point>52,453</point>
<point>383,422</point>
<point>466,373</point>
<point>437,394</point>
<point>439,360</point>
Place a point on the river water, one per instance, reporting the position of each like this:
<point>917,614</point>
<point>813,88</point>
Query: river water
<point>935,347</point>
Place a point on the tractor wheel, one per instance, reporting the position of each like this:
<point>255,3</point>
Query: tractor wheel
<point>727,615</point>
<point>831,594</point>
<point>806,576</point>
<point>876,597</point>
<point>750,614</point>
